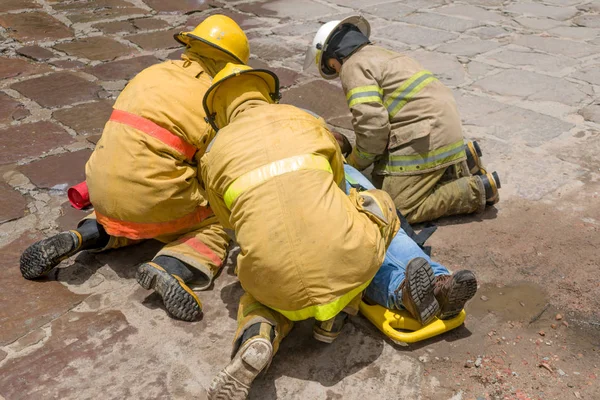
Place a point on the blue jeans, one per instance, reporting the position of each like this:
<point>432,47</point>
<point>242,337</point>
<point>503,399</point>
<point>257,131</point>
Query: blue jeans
<point>384,288</point>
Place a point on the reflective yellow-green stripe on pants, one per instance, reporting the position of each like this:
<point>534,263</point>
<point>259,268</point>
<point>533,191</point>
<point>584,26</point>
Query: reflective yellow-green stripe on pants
<point>251,312</point>
<point>420,162</point>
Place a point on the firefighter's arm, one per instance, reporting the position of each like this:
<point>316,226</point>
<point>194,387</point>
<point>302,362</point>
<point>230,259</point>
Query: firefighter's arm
<point>215,200</point>
<point>369,117</point>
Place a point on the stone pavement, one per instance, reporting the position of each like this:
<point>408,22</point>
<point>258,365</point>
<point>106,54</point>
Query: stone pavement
<point>526,75</point>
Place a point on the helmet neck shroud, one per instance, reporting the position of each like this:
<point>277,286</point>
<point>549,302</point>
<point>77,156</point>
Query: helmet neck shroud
<point>344,42</point>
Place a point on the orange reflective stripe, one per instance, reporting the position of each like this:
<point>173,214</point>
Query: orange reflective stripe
<point>150,128</point>
<point>204,250</point>
<point>149,230</point>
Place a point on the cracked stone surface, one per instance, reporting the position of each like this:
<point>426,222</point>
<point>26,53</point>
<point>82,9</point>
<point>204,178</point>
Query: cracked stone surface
<point>525,74</point>
<point>468,47</point>
<point>58,89</point>
<point>35,52</point>
<point>95,48</point>
<point>29,140</point>
<point>155,40</point>
<point>12,203</point>
<point>59,171</point>
<point>16,68</point>
<point>11,110</point>
<point>123,69</point>
<point>34,26</point>
<point>529,84</point>
<point>85,119</point>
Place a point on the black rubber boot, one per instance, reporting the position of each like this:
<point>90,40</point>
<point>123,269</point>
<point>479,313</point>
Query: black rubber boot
<point>163,275</point>
<point>417,291</point>
<point>41,257</point>
<point>453,291</point>
<point>93,235</point>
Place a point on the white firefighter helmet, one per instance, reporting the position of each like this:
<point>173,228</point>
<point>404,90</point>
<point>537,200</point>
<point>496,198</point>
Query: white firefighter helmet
<point>319,44</point>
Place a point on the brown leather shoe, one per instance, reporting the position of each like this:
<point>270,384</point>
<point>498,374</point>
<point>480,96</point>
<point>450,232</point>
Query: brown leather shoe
<point>417,291</point>
<point>453,291</point>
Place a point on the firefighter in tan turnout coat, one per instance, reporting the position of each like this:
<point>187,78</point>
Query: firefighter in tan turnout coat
<point>406,124</point>
<point>274,175</point>
<point>144,178</point>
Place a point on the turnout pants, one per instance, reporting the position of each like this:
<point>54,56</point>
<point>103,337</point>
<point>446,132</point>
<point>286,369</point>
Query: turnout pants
<point>251,312</point>
<point>432,195</point>
<point>202,246</point>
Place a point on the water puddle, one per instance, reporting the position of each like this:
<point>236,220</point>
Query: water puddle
<point>516,302</point>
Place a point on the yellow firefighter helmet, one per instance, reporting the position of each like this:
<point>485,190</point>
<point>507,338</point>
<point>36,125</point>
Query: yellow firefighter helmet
<point>231,71</point>
<point>220,32</point>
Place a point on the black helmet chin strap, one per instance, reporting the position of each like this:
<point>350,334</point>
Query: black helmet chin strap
<point>211,120</point>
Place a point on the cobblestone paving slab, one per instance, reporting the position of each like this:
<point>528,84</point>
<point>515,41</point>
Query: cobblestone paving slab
<point>12,203</point>
<point>95,48</point>
<point>29,140</point>
<point>58,89</point>
<point>34,26</point>
<point>11,110</point>
<point>525,76</point>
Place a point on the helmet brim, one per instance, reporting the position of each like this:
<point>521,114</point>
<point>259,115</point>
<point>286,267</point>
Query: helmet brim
<point>269,77</point>
<point>357,20</point>
<point>186,37</point>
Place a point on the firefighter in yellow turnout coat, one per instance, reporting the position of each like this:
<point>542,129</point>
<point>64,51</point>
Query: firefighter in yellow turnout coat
<point>406,124</point>
<point>143,176</point>
<point>274,176</point>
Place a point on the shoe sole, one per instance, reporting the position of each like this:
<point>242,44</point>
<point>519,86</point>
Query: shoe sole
<point>249,364</point>
<point>324,337</point>
<point>41,257</point>
<point>419,283</point>
<point>464,287</point>
<point>178,301</point>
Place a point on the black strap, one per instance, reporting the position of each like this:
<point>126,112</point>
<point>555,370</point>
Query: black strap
<point>419,238</point>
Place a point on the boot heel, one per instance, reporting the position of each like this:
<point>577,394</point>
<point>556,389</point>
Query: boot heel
<point>179,300</point>
<point>41,257</point>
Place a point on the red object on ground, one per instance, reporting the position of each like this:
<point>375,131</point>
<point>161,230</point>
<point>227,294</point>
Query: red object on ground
<point>79,196</point>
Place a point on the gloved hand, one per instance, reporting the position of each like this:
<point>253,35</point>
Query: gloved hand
<point>344,143</point>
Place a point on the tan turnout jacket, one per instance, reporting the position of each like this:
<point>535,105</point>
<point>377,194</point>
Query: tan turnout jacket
<point>143,174</point>
<point>405,120</point>
<point>274,176</point>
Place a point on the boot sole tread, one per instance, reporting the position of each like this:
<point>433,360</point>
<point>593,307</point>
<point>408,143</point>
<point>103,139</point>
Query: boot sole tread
<point>226,387</point>
<point>420,285</point>
<point>41,257</point>
<point>178,302</point>
<point>253,360</point>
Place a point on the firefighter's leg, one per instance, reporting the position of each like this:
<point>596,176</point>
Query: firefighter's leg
<point>203,248</point>
<point>427,197</point>
<point>41,257</point>
<point>260,331</point>
<point>327,331</point>
<point>195,257</point>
